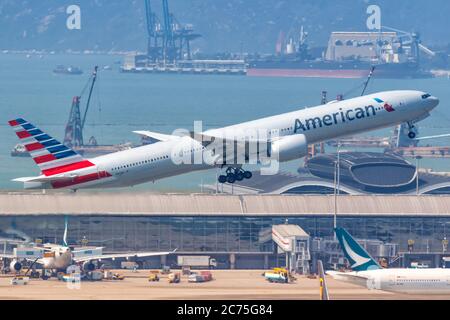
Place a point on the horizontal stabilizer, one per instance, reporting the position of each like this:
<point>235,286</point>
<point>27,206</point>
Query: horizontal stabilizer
<point>44,179</point>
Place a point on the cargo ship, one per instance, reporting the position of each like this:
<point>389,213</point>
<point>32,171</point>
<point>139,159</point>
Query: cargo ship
<point>60,69</point>
<point>333,69</point>
<point>348,55</point>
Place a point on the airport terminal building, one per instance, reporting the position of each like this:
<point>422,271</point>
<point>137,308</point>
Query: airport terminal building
<point>235,230</point>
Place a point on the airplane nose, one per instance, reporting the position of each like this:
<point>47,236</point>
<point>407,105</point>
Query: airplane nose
<point>432,102</point>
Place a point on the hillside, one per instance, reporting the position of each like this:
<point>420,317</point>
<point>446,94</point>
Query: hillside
<point>225,25</point>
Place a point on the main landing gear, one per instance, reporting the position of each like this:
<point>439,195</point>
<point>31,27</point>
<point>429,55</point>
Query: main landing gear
<point>234,174</point>
<point>411,133</point>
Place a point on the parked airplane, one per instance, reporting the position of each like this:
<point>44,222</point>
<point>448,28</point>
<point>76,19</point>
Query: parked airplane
<point>59,257</point>
<point>367,272</point>
<point>285,136</point>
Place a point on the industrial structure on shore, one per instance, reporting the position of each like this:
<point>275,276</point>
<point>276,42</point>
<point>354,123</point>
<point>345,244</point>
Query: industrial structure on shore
<point>394,53</point>
<point>169,49</point>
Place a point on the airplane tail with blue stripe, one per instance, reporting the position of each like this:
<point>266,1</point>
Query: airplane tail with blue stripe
<point>358,257</point>
<point>51,156</point>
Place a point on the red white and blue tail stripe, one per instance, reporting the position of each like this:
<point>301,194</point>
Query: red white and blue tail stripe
<point>50,155</point>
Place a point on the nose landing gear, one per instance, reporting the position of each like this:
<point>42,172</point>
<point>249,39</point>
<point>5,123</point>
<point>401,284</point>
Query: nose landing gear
<point>411,134</point>
<point>234,174</point>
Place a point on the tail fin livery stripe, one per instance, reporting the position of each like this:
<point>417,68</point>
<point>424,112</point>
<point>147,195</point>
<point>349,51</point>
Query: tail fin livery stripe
<point>34,146</point>
<point>42,137</point>
<point>64,154</point>
<point>50,155</point>
<point>68,168</point>
<point>23,134</point>
<point>28,126</point>
<point>35,132</point>
<point>44,158</point>
<point>57,148</point>
<point>50,143</point>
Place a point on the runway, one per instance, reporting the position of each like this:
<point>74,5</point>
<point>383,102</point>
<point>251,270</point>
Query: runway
<point>227,285</point>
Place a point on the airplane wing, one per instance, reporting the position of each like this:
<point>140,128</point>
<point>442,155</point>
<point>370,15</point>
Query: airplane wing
<point>157,136</point>
<point>6,256</point>
<point>121,255</point>
<point>433,137</point>
<point>244,145</point>
<point>45,178</point>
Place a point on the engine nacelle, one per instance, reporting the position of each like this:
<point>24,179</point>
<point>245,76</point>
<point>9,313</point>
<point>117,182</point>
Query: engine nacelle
<point>290,147</point>
<point>15,266</point>
<point>88,266</point>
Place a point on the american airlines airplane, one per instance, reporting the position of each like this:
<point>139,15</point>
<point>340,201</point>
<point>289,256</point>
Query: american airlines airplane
<point>367,272</point>
<point>283,137</point>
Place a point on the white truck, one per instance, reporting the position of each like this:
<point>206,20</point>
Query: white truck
<point>197,261</point>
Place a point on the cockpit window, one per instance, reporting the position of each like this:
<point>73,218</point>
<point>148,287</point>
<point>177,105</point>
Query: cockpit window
<point>426,95</point>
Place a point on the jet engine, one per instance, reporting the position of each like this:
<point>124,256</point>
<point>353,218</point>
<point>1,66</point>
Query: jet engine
<point>15,266</point>
<point>290,147</point>
<point>88,266</point>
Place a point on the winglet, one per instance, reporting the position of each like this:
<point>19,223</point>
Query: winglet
<point>359,258</point>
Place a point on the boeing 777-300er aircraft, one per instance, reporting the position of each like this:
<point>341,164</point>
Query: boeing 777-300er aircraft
<point>367,272</point>
<point>288,136</point>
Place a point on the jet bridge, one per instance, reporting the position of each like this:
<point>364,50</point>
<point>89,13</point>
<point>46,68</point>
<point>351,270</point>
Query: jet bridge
<point>294,242</point>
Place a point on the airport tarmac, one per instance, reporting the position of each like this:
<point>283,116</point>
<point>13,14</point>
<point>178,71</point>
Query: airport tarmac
<point>227,285</point>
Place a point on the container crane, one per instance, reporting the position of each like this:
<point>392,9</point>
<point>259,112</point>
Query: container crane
<point>74,128</point>
<point>168,41</point>
<point>154,34</point>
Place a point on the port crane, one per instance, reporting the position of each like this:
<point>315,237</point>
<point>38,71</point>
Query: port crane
<point>413,41</point>
<point>168,41</point>
<point>74,129</point>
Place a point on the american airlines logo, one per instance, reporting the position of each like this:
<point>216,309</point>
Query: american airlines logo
<point>388,107</point>
<point>334,118</point>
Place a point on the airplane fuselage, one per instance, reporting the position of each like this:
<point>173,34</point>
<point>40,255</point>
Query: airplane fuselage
<point>412,281</point>
<point>316,124</point>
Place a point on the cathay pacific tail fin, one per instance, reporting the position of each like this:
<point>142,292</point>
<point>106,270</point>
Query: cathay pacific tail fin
<point>358,257</point>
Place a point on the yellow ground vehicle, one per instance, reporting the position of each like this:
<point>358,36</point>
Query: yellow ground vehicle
<point>281,275</point>
<point>153,276</point>
<point>117,276</point>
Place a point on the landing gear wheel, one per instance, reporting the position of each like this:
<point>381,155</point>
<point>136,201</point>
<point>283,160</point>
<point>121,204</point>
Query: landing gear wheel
<point>248,174</point>
<point>231,178</point>
<point>411,135</point>
<point>222,178</point>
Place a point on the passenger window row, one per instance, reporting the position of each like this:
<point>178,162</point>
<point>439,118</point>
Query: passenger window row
<point>140,163</point>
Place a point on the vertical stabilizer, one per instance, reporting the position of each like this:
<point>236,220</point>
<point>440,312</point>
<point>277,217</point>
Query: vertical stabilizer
<point>358,257</point>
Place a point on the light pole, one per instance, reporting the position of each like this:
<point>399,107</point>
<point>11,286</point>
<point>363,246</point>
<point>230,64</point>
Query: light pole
<point>337,181</point>
<point>417,174</point>
<point>335,200</point>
